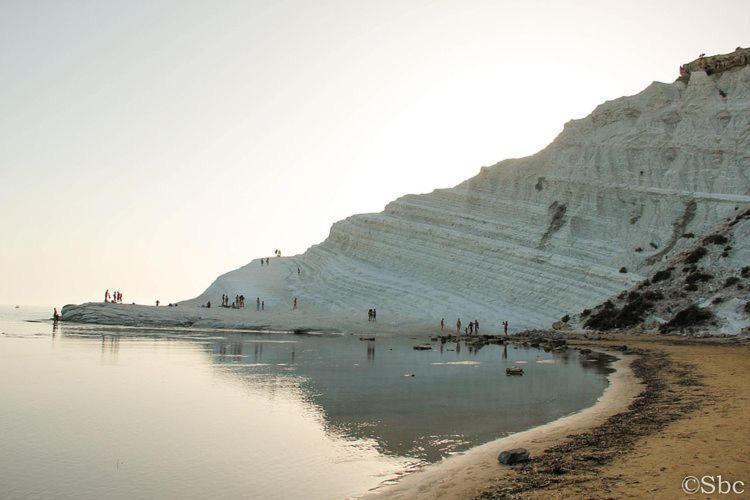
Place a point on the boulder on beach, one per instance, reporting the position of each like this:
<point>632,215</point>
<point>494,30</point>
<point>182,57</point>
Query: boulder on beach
<point>514,456</point>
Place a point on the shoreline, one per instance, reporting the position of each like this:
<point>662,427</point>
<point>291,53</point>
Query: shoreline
<point>468,474</point>
<point>676,408</point>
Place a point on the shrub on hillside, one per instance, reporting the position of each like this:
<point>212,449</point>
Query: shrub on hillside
<point>696,255</point>
<point>690,316</point>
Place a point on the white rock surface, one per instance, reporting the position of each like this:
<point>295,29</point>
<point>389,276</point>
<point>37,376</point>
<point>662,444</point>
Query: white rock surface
<point>531,239</point>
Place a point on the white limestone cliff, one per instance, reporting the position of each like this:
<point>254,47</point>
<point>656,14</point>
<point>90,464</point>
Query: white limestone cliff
<point>532,239</point>
<point>529,240</point>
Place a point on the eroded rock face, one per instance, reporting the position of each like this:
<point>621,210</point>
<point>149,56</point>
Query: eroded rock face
<point>531,239</point>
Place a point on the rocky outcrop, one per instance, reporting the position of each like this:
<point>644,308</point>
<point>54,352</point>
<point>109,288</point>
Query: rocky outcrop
<point>701,290</point>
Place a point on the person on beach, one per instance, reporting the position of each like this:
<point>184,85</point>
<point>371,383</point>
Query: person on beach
<point>208,304</point>
<point>106,295</point>
<point>262,305</point>
<point>374,314</point>
<point>442,324</point>
<point>471,328</point>
<point>157,302</point>
<point>369,315</point>
<point>257,303</point>
<point>299,271</point>
<point>476,327</point>
<point>294,306</point>
<point>458,327</point>
<point>55,316</point>
<point>505,327</point>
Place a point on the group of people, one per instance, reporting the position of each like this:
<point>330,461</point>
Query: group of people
<point>239,301</point>
<point>115,297</point>
<point>471,329</point>
<point>372,315</point>
<point>264,261</point>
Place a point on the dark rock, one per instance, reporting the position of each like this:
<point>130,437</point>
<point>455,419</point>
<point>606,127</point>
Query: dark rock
<point>514,456</point>
<point>623,270</point>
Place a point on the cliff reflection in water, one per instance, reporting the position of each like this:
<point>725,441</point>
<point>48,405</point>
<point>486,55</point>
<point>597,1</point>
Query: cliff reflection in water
<point>421,404</point>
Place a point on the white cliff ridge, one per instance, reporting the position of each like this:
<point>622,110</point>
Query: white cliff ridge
<point>526,240</point>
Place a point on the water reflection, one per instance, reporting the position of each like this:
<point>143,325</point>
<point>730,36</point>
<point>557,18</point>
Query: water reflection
<point>422,404</point>
<point>190,412</point>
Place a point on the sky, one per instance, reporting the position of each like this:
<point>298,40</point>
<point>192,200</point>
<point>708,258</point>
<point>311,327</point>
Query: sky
<point>149,146</point>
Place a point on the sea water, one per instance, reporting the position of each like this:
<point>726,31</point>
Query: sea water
<point>92,412</point>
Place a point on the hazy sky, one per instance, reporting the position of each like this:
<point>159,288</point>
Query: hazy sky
<point>149,146</point>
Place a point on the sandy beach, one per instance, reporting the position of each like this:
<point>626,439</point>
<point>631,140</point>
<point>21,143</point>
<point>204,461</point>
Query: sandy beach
<point>675,407</point>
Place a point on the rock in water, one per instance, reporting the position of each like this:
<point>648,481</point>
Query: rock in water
<point>514,456</point>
